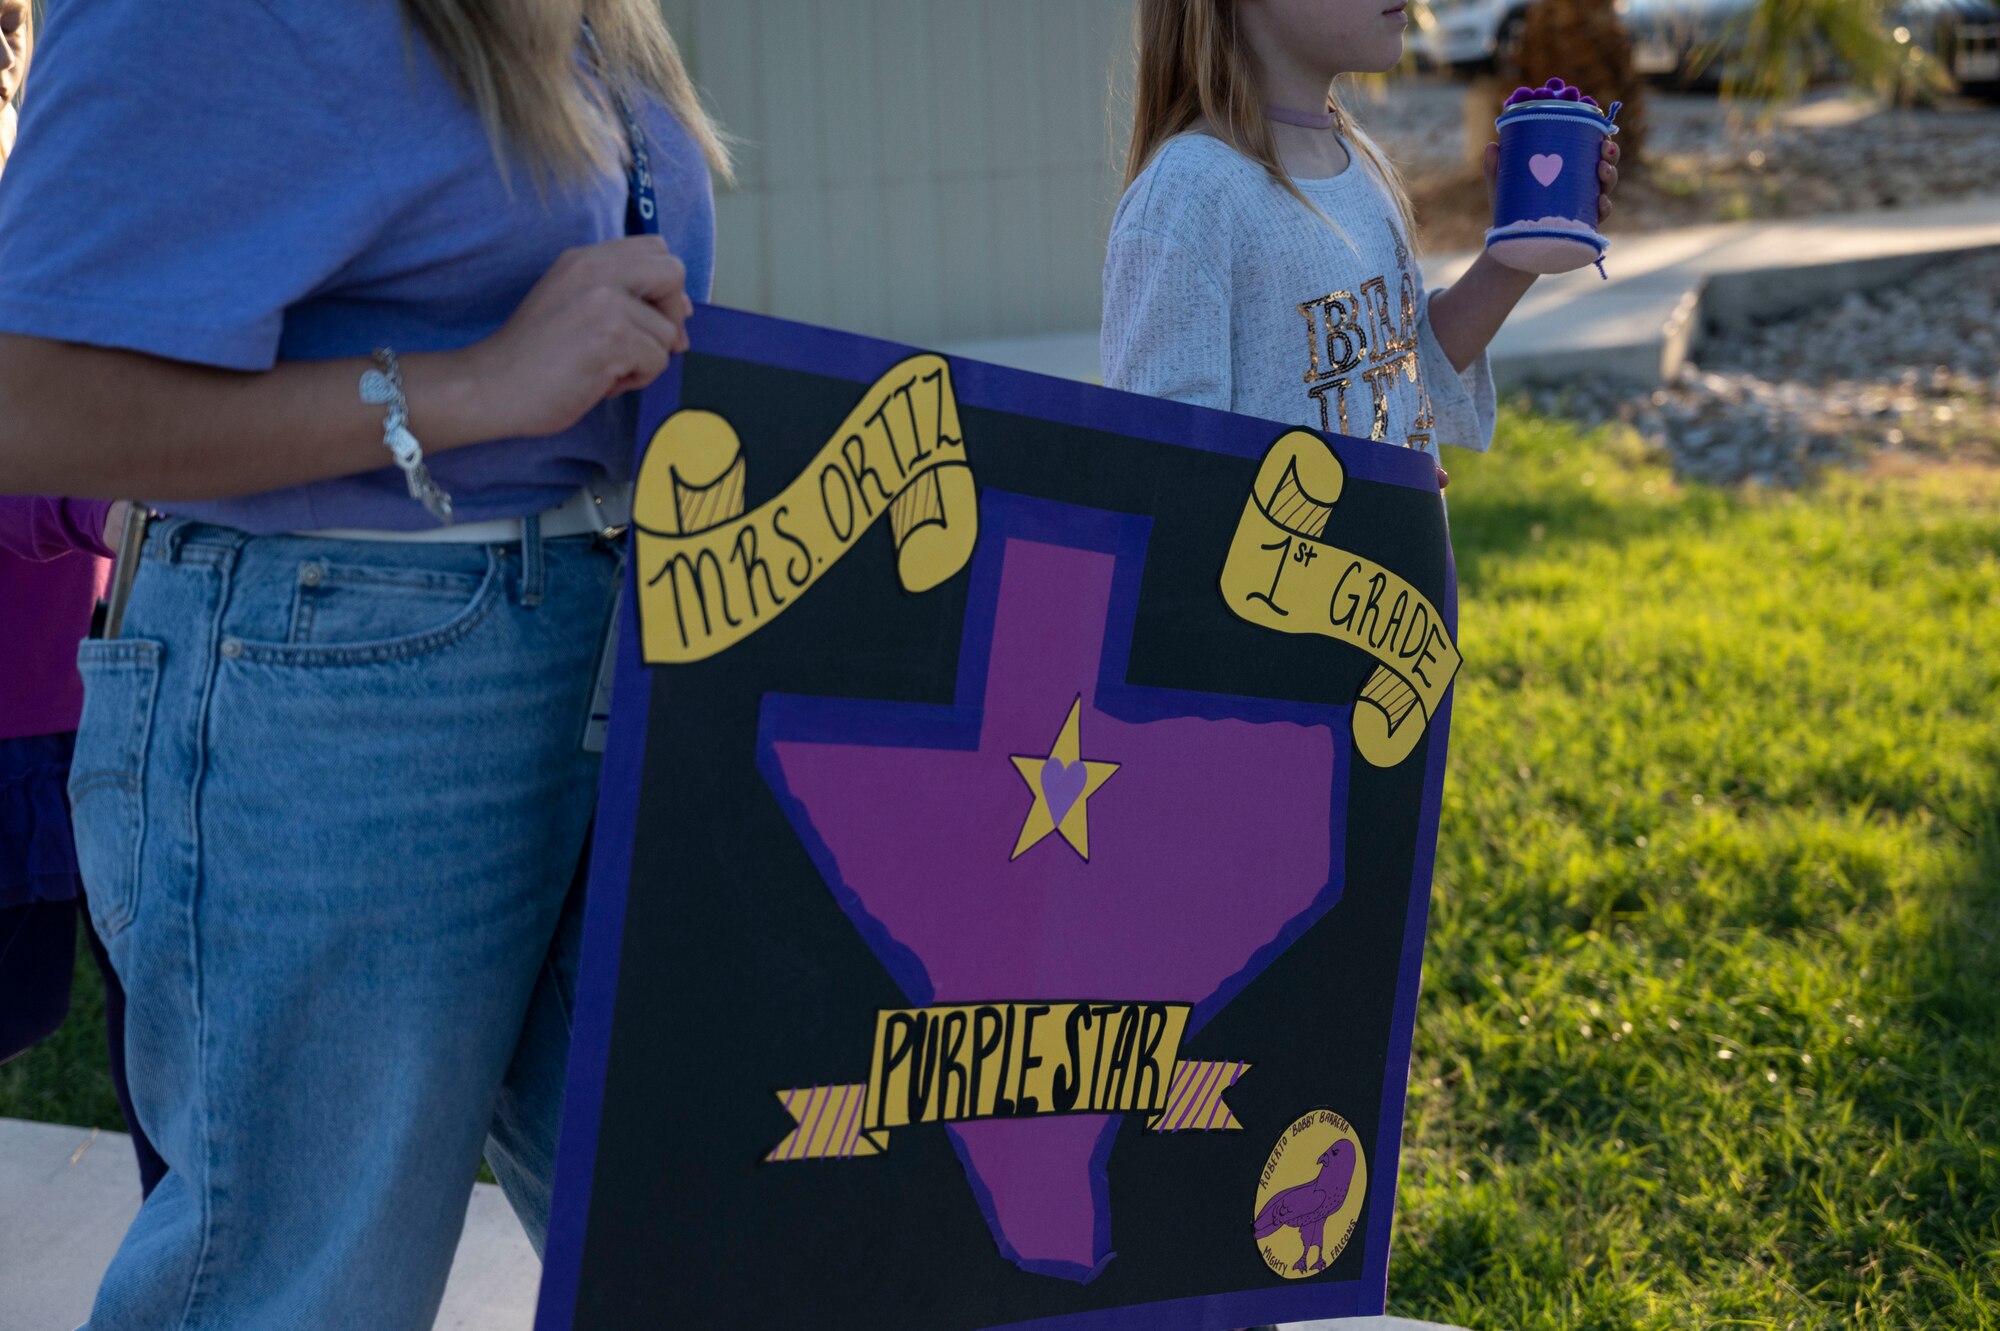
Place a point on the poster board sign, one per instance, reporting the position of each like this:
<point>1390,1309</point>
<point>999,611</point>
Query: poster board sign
<point>1013,856</point>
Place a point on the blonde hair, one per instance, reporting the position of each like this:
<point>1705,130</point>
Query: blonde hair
<point>1195,64</point>
<point>29,14</point>
<point>515,60</point>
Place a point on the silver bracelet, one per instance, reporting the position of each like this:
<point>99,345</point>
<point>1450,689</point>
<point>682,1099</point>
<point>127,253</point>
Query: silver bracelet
<point>383,387</point>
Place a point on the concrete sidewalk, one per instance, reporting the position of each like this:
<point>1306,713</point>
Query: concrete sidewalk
<point>67,1195</point>
<point>1664,286</point>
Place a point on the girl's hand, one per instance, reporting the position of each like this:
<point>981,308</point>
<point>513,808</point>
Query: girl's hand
<point>1607,175</point>
<point>1444,479</point>
<point>603,320</point>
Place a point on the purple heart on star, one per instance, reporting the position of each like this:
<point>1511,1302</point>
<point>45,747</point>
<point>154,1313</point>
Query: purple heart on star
<point>1063,783</point>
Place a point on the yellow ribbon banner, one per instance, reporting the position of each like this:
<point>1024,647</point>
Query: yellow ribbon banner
<point>956,1063</point>
<point>710,574</point>
<point>1281,573</point>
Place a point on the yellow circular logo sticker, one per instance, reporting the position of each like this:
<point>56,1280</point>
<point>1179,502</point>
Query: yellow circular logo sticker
<point>1310,1195</point>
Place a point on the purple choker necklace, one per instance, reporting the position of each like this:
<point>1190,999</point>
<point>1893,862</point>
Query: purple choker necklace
<point>1284,115</point>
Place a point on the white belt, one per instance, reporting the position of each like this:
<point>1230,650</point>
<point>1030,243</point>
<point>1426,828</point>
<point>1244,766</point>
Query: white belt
<point>600,510</point>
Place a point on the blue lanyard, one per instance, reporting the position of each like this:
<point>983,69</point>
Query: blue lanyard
<point>642,210</point>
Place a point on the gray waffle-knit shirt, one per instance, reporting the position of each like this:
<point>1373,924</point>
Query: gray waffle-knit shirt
<point>1223,290</point>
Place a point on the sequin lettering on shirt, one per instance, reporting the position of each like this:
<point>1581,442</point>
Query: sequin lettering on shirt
<point>1390,336</point>
<point>1338,389</point>
<point>1336,318</point>
<point>1379,381</point>
<point>1379,328</point>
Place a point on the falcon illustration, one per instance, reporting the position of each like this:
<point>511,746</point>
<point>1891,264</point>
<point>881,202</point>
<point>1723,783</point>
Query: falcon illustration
<point>1308,1206</point>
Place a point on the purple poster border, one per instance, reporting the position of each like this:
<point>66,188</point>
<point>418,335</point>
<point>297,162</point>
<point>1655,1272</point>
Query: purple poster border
<point>781,344</point>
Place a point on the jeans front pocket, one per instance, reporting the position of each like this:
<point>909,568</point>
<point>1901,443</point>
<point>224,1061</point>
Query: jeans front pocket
<point>384,604</point>
<point>107,775</point>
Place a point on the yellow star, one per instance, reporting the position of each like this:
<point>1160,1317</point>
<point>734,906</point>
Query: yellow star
<point>1063,782</point>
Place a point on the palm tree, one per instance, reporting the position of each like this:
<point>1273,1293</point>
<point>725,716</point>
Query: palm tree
<point>1585,43</point>
<point>1785,42</point>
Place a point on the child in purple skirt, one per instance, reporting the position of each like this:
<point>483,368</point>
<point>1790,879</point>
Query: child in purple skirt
<point>49,578</point>
<point>52,567</point>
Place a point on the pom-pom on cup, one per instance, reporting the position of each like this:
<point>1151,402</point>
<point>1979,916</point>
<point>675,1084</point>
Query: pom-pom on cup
<point>1546,188</point>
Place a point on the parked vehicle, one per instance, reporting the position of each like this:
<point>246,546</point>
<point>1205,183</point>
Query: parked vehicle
<point>1963,34</point>
<point>1685,42</point>
<point>1693,42</point>
<point>1465,35</point>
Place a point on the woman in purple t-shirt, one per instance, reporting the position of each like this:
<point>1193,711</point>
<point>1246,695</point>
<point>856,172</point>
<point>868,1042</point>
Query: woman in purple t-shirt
<point>330,789</point>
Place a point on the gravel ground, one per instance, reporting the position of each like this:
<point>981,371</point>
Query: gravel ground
<point>1817,160</point>
<point>1830,154</point>
<point>1912,369</point>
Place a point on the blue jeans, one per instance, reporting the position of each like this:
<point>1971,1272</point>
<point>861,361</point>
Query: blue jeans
<point>332,805</point>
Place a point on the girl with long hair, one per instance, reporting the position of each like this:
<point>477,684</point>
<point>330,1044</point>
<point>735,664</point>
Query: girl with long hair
<point>353,297</point>
<point>1262,260</point>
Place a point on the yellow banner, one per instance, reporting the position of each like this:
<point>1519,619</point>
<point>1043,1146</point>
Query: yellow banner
<point>957,1063</point>
<point>710,574</point>
<point>1281,573</point>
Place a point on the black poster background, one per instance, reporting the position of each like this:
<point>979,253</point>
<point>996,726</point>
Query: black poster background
<point>741,976</point>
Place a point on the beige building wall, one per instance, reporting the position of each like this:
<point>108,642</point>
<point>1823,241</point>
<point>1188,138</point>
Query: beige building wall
<point>924,170</point>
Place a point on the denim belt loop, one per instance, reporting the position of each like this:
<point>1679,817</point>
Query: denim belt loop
<point>169,536</point>
<point>533,575</point>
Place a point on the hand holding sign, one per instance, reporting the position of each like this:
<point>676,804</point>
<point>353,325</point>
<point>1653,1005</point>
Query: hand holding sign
<point>604,320</point>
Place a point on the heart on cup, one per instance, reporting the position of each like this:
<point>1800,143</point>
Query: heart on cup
<point>1545,167</point>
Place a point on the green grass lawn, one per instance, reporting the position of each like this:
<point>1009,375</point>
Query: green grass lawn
<point>1710,1033</point>
<point>64,1079</point>
<point>1711,1023</point>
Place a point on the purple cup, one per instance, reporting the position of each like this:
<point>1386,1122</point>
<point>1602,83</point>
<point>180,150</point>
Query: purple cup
<point>1546,187</point>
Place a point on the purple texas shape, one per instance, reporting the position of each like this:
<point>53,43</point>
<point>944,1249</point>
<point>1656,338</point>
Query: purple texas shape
<point>1212,847</point>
